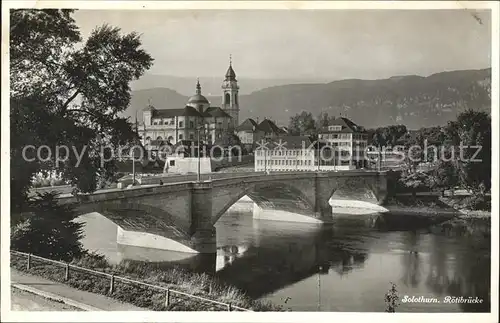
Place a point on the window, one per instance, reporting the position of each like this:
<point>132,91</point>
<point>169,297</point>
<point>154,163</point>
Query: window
<point>180,136</point>
<point>227,98</point>
<point>181,124</point>
<point>191,124</point>
<point>172,121</point>
<point>219,124</point>
<point>191,136</point>
<point>172,163</point>
<point>335,128</point>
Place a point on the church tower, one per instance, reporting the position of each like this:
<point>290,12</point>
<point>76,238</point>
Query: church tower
<point>230,95</point>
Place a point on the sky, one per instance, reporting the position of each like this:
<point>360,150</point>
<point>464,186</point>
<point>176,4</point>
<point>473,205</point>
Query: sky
<point>323,44</point>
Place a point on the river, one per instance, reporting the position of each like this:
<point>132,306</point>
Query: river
<point>343,267</point>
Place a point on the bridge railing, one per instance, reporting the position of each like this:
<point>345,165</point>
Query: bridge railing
<point>170,294</point>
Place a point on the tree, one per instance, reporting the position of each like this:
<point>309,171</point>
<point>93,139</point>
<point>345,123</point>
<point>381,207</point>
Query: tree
<point>65,94</point>
<point>444,176</point>
<point>415,181</point>
<point>48,230</point>
<point>324,120</point>
<point>391,299</point>
<point>386,136</point>
<point>302,124</point>
<point>393,133</point>
<point>472,131</point>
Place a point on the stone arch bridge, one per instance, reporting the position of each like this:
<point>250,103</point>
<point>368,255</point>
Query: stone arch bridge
<point>185,212</point>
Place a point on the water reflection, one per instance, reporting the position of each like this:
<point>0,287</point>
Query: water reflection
<point>164,259</point>
<point>461,269</point>
<point>282,261</point>
<point>411,261</point>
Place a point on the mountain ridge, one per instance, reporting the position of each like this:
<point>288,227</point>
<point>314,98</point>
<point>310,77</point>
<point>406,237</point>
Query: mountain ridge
<point>413,100</point>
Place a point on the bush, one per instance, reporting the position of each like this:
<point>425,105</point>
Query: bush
<point>48,229</point>
<point>477,202</point>
<point>415,182</point>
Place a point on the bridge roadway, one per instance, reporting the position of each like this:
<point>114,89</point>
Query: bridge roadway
<point>180,214</point>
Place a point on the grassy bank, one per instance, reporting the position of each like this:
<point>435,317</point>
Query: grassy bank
<point>177,279</point>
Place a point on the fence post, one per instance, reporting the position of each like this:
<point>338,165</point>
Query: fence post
<point>28,265</point>
<point>229,307</point>
<point>66,275</point>
<point>112,284</point>
<point>167,298</point>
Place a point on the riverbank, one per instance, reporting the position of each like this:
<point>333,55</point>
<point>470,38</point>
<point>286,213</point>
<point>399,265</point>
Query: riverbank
<point>432,211</point>
<point>177,279</point>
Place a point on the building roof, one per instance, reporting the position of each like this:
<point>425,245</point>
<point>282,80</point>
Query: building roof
<point>198,98</point>
<point>149,108</point>
<point>216,112</point>
<point>230,74</point>
<point>290,142</point>
<point>248,125</point>
<point>270,127</point>
<point>347,126</point>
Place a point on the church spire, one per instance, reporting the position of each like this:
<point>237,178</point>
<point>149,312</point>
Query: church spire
<point>230,74</point>
<point>198,86</point>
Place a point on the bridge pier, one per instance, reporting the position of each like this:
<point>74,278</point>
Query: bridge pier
<point>325,214</point>
<point>203,232</point>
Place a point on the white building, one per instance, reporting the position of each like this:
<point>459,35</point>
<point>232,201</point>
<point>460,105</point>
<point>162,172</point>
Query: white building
<point>288,153</point>
<point>349,139</point>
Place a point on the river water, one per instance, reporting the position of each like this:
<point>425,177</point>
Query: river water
<point>343,267</point>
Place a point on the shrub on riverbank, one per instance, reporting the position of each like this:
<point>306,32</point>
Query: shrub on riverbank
<point>471,203</point>
<point>47,229</point>
<point>418,201</point>
<point>192,283</point>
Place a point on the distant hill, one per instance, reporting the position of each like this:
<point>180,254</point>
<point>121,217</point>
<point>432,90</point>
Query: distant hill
<point>411,100</point>
<point>211,85</point>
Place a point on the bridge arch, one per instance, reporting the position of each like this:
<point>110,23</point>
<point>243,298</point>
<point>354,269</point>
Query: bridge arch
<point>356,188</point>
<point>144,219</point>
<point>282,195</point>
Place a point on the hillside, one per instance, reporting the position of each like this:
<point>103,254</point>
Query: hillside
<point>411,100</point>
<point>211,85</point>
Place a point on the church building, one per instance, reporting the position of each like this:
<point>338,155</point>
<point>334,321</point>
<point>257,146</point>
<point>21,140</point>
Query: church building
<point>170,126</point>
